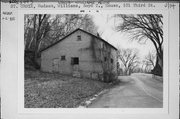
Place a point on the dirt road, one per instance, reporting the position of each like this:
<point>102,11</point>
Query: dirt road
<point>135,91</point>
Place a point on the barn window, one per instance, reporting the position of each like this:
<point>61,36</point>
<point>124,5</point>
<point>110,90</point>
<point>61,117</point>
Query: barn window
<point>105,58</point>
<point>78,38</point>
<point>74,60</point>
<point>102,45</point>
<point>63,57</point>
<point>112,60</point>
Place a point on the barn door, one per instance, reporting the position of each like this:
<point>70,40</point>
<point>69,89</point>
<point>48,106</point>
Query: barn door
<point>75,66</point>
<point>55,65</point>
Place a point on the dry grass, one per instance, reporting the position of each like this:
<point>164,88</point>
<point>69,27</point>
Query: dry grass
<point>46,90</point>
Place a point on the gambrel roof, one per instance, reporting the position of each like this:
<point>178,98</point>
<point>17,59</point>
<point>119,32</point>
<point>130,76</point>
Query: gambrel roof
<point>74,32</point>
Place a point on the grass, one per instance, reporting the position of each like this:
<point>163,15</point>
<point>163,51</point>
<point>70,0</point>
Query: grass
<point>47,90</point>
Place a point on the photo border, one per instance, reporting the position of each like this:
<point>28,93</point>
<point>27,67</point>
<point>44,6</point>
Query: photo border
<point>21,109</point>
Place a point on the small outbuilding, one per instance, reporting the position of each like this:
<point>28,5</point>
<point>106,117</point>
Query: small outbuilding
<point>81,54</point>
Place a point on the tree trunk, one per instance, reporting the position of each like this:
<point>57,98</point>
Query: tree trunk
<point>158,69</point>
<point>36,53</point>
<point>36,63</point>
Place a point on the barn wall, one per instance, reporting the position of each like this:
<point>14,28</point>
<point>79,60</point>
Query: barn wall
<point>90,61</point>
<point>106,51</point>
<point>69,47</point>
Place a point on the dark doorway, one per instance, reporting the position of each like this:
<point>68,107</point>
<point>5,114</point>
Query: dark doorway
<point>75,60</point>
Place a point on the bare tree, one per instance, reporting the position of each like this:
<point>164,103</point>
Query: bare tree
<point>151,58</point>
<point>129,58</point>
<point>149,62</point>
<point>42,30</point>
<point>61,25</point>
<point>144,27</point>
<point>36,28</point>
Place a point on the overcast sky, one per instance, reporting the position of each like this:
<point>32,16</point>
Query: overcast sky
<point>106,23</point>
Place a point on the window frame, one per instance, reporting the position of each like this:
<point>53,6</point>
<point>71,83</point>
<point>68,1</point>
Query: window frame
<point>105,59</point>
<point>74,60</point>
<point>63,57</point>
<point>79,38</point>
<point>112,60</point>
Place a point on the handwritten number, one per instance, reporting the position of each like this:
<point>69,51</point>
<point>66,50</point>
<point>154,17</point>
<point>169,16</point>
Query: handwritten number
<point>169,5</point>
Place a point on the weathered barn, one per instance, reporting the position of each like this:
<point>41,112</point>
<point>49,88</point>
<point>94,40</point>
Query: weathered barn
<point>80,54</point>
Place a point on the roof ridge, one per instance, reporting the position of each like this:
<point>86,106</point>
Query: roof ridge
<point>74,32</point>
<point>98,38</point>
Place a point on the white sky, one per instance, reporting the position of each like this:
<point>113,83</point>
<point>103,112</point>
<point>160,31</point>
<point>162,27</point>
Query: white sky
<point>119,39</point>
